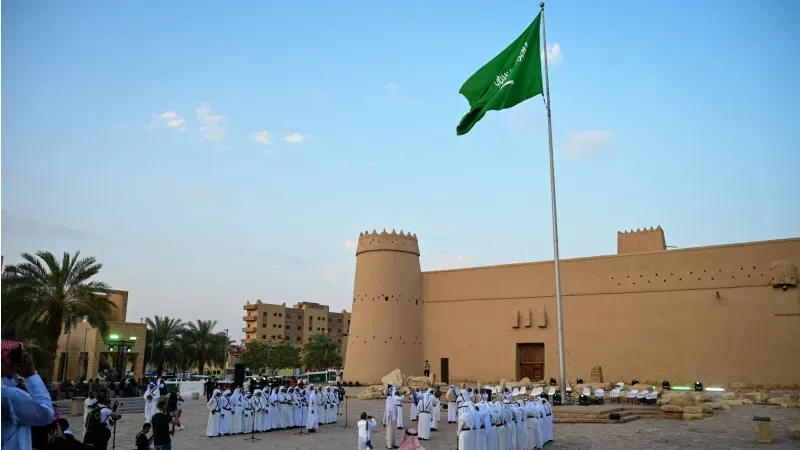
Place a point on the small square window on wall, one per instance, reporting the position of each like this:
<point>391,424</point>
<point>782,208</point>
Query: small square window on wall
<point>274,325</point>
<point>263,336</point>
<point>280,326</point>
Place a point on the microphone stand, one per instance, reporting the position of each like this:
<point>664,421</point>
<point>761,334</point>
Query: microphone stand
<point>345,411</point>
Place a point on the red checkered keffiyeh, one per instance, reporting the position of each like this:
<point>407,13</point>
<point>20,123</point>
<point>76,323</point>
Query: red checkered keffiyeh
<point>410,441</point>
<point>8,346</point>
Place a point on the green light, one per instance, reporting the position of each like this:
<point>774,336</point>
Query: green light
<point>111,348</point>
<point>133,338</point>
<point>681,388</point>
<point>128,349</point>
<point>114,337</point>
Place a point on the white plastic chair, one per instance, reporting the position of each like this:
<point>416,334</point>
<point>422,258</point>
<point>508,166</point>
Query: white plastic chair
<point>536,392</point>
<point>652,398</point>
<point>523,390</point>
<point>614,396</point>
<point>550,393</point>
<point>599,395</point>
<point>515,393</point>
<point>586,392</point>
<point>621,386</point>
<point>632,395</point>
<point>642,396</point>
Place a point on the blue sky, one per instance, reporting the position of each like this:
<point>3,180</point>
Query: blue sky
<point>210,153</point>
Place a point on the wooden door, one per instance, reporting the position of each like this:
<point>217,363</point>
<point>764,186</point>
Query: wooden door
<point>531,361</point>
<point>445,370</point>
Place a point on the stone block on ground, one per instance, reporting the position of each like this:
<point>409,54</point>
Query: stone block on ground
<point>503,384</point>
<point>746,401</point>
<point>708,408</point>
<point>672,408</point>
<point>374,388</point>
<point>366,395</point>
<point>395,377</point>
<point>681,400</point>
<point>724,405</point>
<point>596,375</point>
<point>775,400</point>
<point>418,381</point>
<point>729,396</point>
<point>691,416</point>
<point>692,409</point>
<point>526,382</point>
<point>662,402</point>
<point>790,405</point>
<point>734,402</point>
<point>791,398</point>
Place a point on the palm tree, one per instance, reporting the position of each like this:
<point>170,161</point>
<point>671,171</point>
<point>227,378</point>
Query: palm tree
<point>207,345</point>
<point>321,352</point>
<point>42,297</point>
<point>166,334</point>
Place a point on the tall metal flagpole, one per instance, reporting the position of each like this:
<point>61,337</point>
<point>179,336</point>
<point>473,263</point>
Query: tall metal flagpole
<point>556,260</point>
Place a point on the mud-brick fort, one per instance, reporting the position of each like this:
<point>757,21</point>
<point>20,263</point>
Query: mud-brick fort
<point>722,314</point>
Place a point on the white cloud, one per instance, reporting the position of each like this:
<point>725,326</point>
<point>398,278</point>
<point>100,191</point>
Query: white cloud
<point>554,54</point>
<point>211,124</point>
<point>262,137</point>
<point>396,95</point>
<point>294,138</point>
<point>169,119</point>
<point>587,143</point>
<point>348,244</point>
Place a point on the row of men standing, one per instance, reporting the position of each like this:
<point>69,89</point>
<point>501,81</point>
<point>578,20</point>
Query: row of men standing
<point>481,424</point>
<point>262,411</point>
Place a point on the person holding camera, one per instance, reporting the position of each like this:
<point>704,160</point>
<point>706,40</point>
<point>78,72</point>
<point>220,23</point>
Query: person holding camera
<point>22,409</point>
<point>99,423</point>
<point>162,436</point>
<point>365,426</point>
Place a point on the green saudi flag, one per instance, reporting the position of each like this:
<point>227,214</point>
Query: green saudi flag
<point>512,77</point>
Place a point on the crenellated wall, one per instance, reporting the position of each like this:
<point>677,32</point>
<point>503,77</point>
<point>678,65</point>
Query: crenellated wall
<point>708,313</point>
<point>647,240</point>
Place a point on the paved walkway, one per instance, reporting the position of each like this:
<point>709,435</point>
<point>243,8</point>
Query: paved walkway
<point>726,430</point>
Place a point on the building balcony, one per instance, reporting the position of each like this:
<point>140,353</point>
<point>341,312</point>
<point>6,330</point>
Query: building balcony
<point>250,307</point>
<point>249,330</point>
<point>249,318</point>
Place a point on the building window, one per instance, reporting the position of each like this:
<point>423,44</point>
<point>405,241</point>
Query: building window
<point>298,338</point>
<point>309,329</point>
<point>263,336</point>
<point>323,319</point>
<point>339,330</point>
<point>265,315</point>
<point>348,323</point>
<point>274,314</point>
<point>263,325</point>
<point>340,320</point>
<point>298,328</point>
<point>288,316</point>
<point>280,314</point>
<point>280,326</point>
<point>274,326</point>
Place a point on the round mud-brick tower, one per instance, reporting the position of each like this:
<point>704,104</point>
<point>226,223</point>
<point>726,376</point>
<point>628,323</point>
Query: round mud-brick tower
<point>386,321</point>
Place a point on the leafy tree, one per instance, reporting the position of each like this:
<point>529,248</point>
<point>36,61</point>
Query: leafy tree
<point>42,297</point>
<point>166,336</point>
<point>256,354</point>
<point>271,355</point>
<point>321,352</point>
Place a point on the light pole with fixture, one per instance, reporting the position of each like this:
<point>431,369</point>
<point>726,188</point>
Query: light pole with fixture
<point>120,347</point>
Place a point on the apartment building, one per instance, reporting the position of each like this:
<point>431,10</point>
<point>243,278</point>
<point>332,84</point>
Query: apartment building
<point>295,324</point>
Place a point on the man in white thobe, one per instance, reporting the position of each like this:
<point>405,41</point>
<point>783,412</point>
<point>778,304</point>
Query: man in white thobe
<point>390,417</point>
<point>425,408</point>
<point>149,403</point>
<point>236,411</point>
<point>297,405</point>
<point>452,406</point>
<point>365,426</point>
<point>312,424</point>
<point>486,435</point>
<point>548,420</point>
<point>415,396</point>
<point>398,403</point>
<point>522,425</point>
<point>212,428</point>
<point>88,405</point>
<point>225,413</point>
<point>248,413</point>
<point>464,428</point>
<point>335,399</point>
